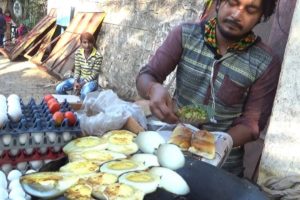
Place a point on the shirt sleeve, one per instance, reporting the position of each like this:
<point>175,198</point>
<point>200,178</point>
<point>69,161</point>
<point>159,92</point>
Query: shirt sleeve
<point>96,68</point>
<point>259,103</point>
<point>166,57</point>
<point>77,68</point>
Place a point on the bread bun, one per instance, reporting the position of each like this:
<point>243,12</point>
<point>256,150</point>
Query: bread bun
<point>203,144</point>
<point>181,136</point>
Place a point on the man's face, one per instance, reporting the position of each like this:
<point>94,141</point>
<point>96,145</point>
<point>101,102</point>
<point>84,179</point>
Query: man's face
<point>86,45</point>
<point>237,17</point>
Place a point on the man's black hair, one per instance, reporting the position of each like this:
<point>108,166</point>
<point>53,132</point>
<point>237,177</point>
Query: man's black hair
<point>268,7</point>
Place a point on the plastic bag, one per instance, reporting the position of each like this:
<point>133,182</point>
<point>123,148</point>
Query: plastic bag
<point>104,111</point>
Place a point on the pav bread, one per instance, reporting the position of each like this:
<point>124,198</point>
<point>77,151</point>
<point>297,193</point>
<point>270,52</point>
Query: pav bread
<point>203,144</point>
<point>181,136</point>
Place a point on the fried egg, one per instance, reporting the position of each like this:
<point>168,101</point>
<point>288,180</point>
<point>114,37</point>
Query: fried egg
<point>48,184</point>
<point>80,167</point>
<point>118,191</point>
<point>85,143</point>
<point>97,156</point>
<point>141,180</point>
<point>121,141</point>
<point>118,167</point>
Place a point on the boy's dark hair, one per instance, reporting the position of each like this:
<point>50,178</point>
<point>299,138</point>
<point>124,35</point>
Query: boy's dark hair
<point>268,7</point>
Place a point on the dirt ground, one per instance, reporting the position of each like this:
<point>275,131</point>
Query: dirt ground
<point>24,79</point>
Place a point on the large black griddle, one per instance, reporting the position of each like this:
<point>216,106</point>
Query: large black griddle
<point>206,182</point>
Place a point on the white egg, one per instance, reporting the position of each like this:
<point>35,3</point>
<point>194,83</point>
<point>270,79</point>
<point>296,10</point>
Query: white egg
<point>118,167</point>
<point>23,138</point>
<point>149,160</point>
<point>170,156</point>
<point>3,194</point>
<point>14,174</point>
<point>2,98</point>
<point>43,150</point>
<point>14,184</point>
<point>30,171</point>
<point>56,148</point>
<point>141,180</point>
<point>37,137</point>
<point>14,112</point>
<point>3,181</point>
<point>149,141</point>
<point>36,164</point>
<point>67,136</point>
<point>6,168</point>
<point>16,192</point>
<point>13,97</point>
<point>22,166</point>
<point>171,181</point>
<point>6,139</point>
<point>28,151</point>
<point>3,119</point>
<point>14,151</point>
<point>51,136</point>
<point>47,161</point>
<point>27,197</point>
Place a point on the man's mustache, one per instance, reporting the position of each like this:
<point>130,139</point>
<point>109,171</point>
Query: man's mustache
<point>235,23</point>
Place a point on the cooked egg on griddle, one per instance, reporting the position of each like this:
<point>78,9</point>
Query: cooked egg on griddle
<point>101,179</point>
<point>149,160</point>
<point>85,143</point>
<point>121,141</point>
<point>141,180</point>
<point>80,191</point>
<point>118,167</point>
<point>48,184</point>
<point>118,191</point>
<point>80,167</point>
<point>97,156</point>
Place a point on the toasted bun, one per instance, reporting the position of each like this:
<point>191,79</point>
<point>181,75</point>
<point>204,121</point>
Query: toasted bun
<point>203,144</point>
<point>133,126</point>
<point>181,136</point>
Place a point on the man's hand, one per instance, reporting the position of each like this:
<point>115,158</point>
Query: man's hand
<point>161,104</point>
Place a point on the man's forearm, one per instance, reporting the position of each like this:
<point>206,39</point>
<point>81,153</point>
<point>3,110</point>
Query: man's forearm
<point>240,134</point>
<point>144,83</point>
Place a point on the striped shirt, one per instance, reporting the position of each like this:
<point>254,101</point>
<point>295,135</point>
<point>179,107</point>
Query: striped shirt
<point>87,69</point>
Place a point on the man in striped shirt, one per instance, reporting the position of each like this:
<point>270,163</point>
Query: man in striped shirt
<point>87,68</point>
<point>222,64</point>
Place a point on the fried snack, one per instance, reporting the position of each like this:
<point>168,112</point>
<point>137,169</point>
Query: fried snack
<point>203,144</point>
<point>181,137</point>
<point>192,114</point>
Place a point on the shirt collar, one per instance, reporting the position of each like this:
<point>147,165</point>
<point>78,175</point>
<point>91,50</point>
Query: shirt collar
<point>94,51</point>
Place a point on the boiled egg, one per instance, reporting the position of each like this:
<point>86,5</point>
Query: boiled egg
<point>99,156</point>
<point>101,179</point>
<point>118,167</point>
<point>121,141</point>
<point>3,194</point>
<point>175,161</point>
<point>171,181</point>
<point>149,160</point>
<point>3,181</point>
<point>48,184</point>
<point>79,191</point>
<point>16,193</point>
<point>14,184</point>
<point>141,180</point>
<point>149,141</point>
<point>14,174</point>
<point>80,167</point>
<point>3,119</point>
<point>118,191</point>
<point>84,143</point>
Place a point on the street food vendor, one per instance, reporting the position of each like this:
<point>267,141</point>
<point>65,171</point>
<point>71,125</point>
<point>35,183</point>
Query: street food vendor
<point>87,68</point>
<point>222,64</point>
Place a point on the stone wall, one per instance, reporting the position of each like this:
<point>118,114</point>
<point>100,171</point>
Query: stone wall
<point>132,31</point>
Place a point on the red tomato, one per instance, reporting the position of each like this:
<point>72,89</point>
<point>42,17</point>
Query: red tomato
<point>54,107</point>
<point>71,118</point>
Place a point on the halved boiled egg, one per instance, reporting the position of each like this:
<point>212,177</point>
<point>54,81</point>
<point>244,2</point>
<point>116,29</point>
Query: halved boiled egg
<point>101,179</point>
<point>171,181</point>
<point>118,191</point>
<point>149,141</point>
<point>80,191</point>
<point>97,156</point>
<point>149,160</point>
<point>80,167</point>
<point>84,143</point>
<point>173,162</point>
<point>48,184</point>
<point>121,141</point>
<point>141,180</point>
<point>118,167</point>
